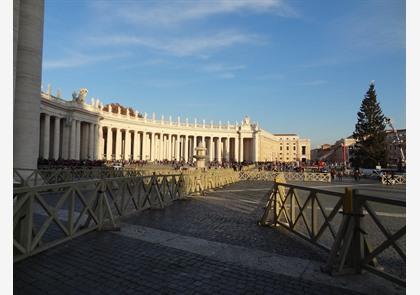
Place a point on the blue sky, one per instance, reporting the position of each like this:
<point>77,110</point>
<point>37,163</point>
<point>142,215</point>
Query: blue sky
<point>293,66</point>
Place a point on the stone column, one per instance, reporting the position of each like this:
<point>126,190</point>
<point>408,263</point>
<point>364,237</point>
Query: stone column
<point>236,149</point>
<point>56,145</point>
<point>152,146</point>
<point>219,149</point>
<point>65,141</point>
<point>143,146</point>
<point>194,145</point>
<point>227,149</point>
<point>161,146</point>
<point>177,140</point>
<point>91,141</point>
<point>46,145</point>
<point>127,145</point>
<point>77,156</point>
<point>72,154</point>
<point>185,148</point>
<point>165,148</point>
<point>96,141</point>
<point>99,151</point>
<point>136,146</point>
<point>28,23</point>
<point>118,144</point>
<point>241,149</point>
<point>170,147</point>
<point>211,149</point>
<point>109,144</point>
<point>256,149</point>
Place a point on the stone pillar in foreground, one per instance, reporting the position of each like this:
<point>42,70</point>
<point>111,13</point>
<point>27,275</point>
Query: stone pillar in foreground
<point>28,25</point>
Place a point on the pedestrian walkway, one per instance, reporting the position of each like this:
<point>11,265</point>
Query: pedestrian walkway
<point>206,245</point>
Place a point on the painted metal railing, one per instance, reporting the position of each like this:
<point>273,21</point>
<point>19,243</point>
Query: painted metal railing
<point>396,179</point>
<point>349,225</point>
<point>47,215</point>
<point>288,176</point>
<point>35,177</point>
<point>197,182</point>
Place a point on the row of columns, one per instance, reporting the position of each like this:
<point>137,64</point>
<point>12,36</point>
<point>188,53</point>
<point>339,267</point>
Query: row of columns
<point>76,140</point>
<point>125,144</point>
<point>80,140</point>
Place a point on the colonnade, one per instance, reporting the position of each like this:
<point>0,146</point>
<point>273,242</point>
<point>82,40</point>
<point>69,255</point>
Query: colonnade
<point>61,138</point>
<point>126,144</point>
<point>79,138</point>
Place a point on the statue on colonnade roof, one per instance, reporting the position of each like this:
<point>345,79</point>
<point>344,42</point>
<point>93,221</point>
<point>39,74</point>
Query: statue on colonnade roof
<point>81,97</point>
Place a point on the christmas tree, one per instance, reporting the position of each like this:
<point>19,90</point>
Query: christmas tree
<point>370,134</point>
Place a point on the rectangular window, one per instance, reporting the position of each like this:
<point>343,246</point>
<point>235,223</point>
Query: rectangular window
<point>281,148</point>
<point>304,150</point>
<point>294,148</point>
<point>287,148</point>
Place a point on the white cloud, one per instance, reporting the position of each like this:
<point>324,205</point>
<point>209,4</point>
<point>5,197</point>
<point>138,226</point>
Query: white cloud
<point>269,77</point>
<point>74,60</point>
<point>218,67</point>
<point>314,83</point>
<point>173,13</point>
<point>187,46</point>
<point>227,75</point>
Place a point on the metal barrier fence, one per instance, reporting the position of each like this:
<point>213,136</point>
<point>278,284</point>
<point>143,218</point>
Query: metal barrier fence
<point>288,176</point>
<point>396,179</point>
<point>356,237</point>
<point>32,177</point>
<point>201,181</point>
<point>48,215</point>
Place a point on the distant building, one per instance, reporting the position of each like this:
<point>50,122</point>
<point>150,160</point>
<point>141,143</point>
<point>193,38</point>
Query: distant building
<point>287,148</point>
<point>342,150</point>
<point>394,156</point>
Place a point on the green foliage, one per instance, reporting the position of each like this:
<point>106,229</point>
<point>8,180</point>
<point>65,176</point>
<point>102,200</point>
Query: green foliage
<point>370,134</point>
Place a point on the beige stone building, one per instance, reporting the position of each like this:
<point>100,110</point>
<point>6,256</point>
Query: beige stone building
<point>75,129</point>
<point>284,147</point>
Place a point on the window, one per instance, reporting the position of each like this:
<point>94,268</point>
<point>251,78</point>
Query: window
<point>281,148</point>
<point>294,148</point>
<point>287,148</point>
<point>304,150</point>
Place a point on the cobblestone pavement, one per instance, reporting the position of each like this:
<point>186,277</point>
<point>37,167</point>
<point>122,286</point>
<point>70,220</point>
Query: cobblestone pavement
<point>113,263</point>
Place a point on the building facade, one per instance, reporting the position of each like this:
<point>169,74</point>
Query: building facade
<point>396,147</point>
<point>342,150</point>
<point>74,129</point>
